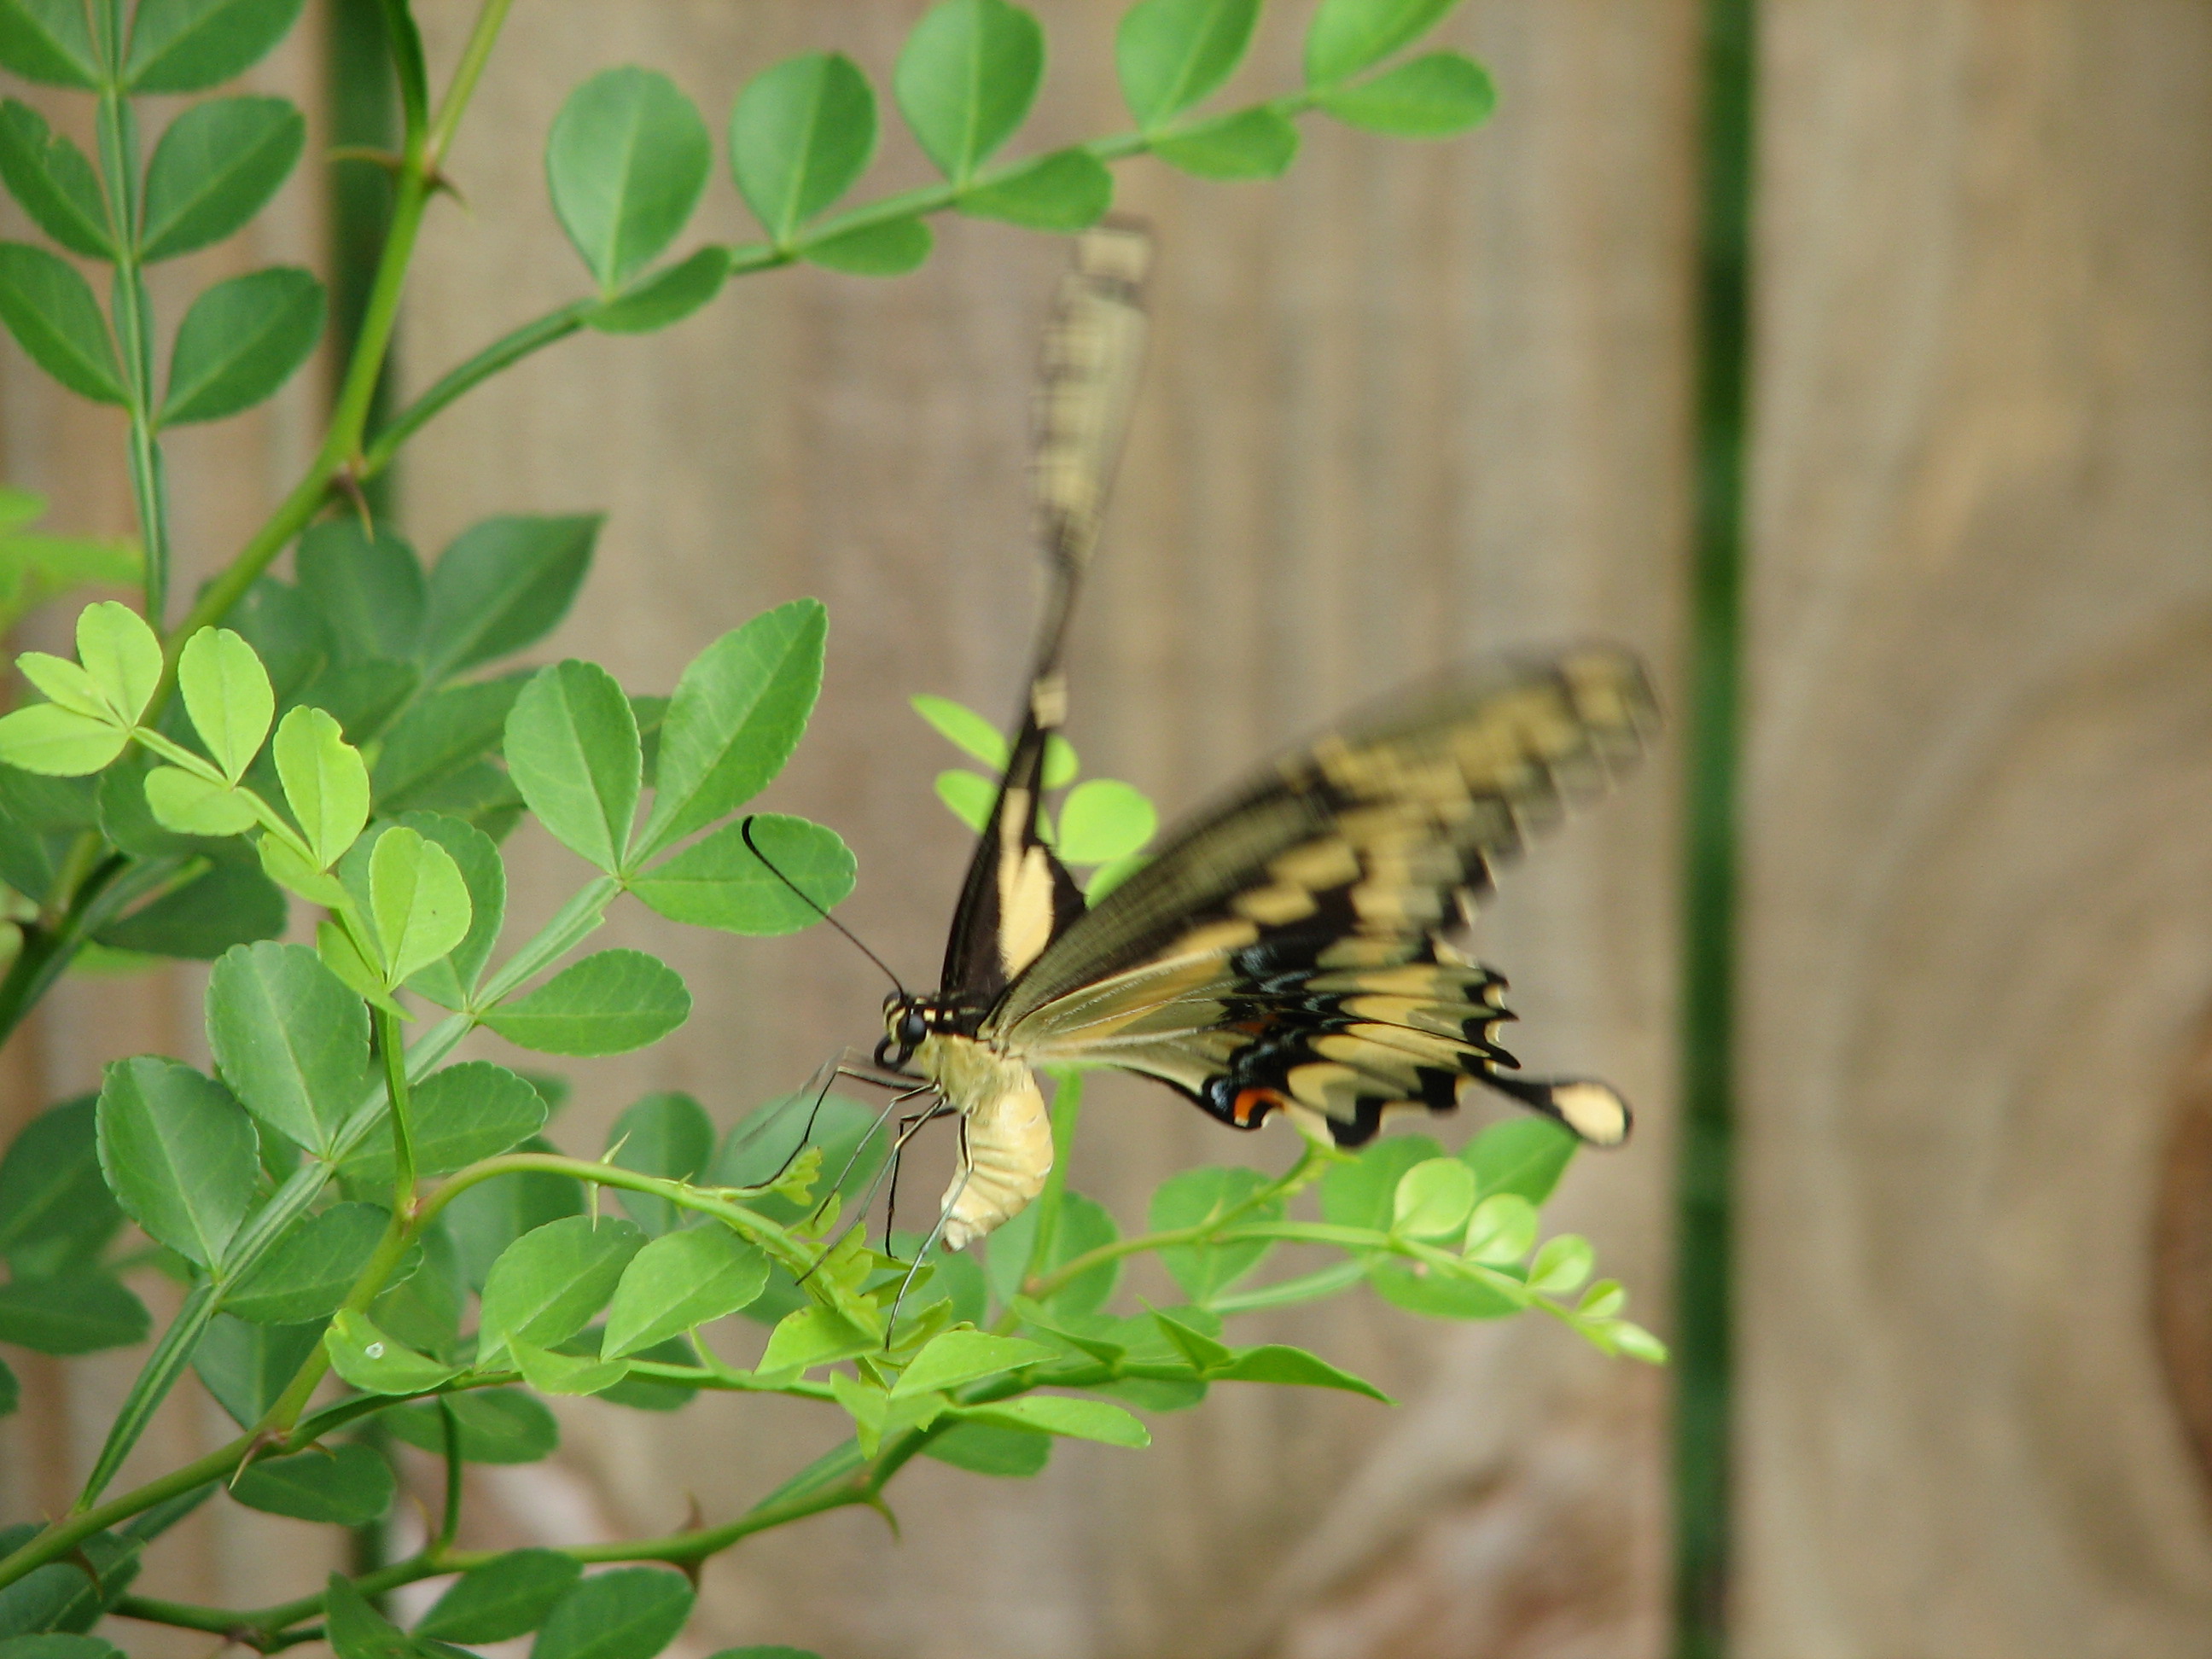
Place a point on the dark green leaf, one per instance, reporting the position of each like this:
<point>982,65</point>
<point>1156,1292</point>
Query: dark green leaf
<point>890,249</point>
<point>230,905</point>
<point>668,1135</point>
<point>1196,1197</point>
<point>1525,1155</point>
<point>680,1281</point>
<point>498,1426</point>
<point>355,1629</point>
<point>631,1613</point>
<point>769,1651</point>
<point>290,1039</point>
<point>739,709</point>
<point>626,161</point>
<point>1084,1225</point>
<point>178,1152</point>
<point>424,1309</point>
<point>503,584</point>
<point>286,632</point>
<point>491,1215</point>
<point>1361,1194</point>
<point>188,45</point>
<point>363,697</point>
<point>800,133</point>
<point>1432,97</point>
<point>572,749</point>
<point>349,1484</point>
<point>241,341</point>
<point>47,41</point>
<point>1253,143</point>
<point>1294,1367</point>
<point>439,736</point>
<point>245,1367</point>
<point>446,982</point>
<point>506,1597</point>
<point>721,882</point>
<point>27,859</point>
<point>50,310</point>
<point>1171,53</point>
<point>667,296</point>
<point>52,177</point>
<point>11,1392</point>
<point>67,1598</point>
<point>1346,36</point>
<point>308,1271</point>
<point>608,1004</point>
<point>985,1449</point>
<point>966,78</point>
<point>1068,190</point>
<point>370,591</point>
<point>214,168</point>
<point>48,804</point>
<point>549,1283</point>
<point>466,1112</point>
<point>54,1207</point>
<point>78,1312</point>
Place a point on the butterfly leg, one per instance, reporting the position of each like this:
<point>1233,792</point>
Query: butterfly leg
<point>908,1126</point>
<point>868,1197</point>
<point>951,1201</point>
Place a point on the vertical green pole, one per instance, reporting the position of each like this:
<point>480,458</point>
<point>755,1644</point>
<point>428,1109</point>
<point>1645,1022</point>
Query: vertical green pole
<point>1702,1485</point>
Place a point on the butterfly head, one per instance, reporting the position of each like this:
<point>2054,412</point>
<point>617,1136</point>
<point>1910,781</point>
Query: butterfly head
<point>909,1021</point>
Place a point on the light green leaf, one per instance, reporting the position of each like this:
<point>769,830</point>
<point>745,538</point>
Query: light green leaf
<point>667,1135</point>
<point>50,311</point>
<point>1200,1347</point>
<point>216,167</point>
<point>291,1039</point>
<point>67,686</point>
<point>187,803</point>
<point>547,1284</point>
<point>629,1612</point>
<point>420,903</point>
<point>1061,764</point>
<point>1194,1197</point>
<point>77,1311</point>
<point>1253,143</point>
<point>296,875</point>
<point>460,1115</point>
<point>324,780</point>
<point>1561,1265</point>
<point>503,584</point>
<point>608,1004</point>
<point>1432,97</point>
<point>187,45</point>
<point>572,749</point>
<point>307,1273</point>
<point>739,709</point>
<point>961,725</point>
<point>678,1282</point>
<point>1068,190</point>
<point>1433,1198</point>
<point>1107,877</point>
<point>240,342</point>
<point>719,881</point>
<point>1084,1225</point>
<point>1293,1367</point>
<point>1636,1342</point>
<point>1362,1193</point>
<point>626,161</point>
<point>1603,1300</point>
<point>498,1426</point>
<point>667,296</point>
<point>1346,36</point>
<point>375,1363</point>
<point>227,694</point>
<point>506,1597</point>
<point>813,1336</point>
<point>1172,53</point>
<point>1502,1230</point>
<point>988,1449</point>
<point>348,1484</point>
<point>969,796</point>
<point>564,1373</point>
<point>344,957</point>
<point>47,41</point>
<point>889,249</point>
<point>1524,1155</point>
<point>121,657</point>
<point>178,1152</point>
<point>1104,820</point>
<point>51,178</point>
<point>58,742</point>
<point>448,982</point>
<point>1052,1413</point>
<point>966,78</point>
<point>953,1358</point>
<point>800,134</point>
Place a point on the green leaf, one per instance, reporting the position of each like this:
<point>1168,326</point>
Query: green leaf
<point>1253,143</point>
<point>1432,97</point>
<point>1561,1265</point>
<point>1104,820</point>
<point>424,1309</point>
<point>448,982</point>
<point>245,1367</point>
<point>1200,1348</point>
<point>1636,1342</point>
<point>548,1284</point>
<point>240,342</point>
<point>954,1357</point>
<point>1524,1156</point>
<point>121,656</point>
<point>370,591</point>
<point>626,161</point>
<point>1054,1413</point>
<point>562,1373</point>
<point>463,1114</point>
<point>969,796</point>
<point>1195,1197</point>
<point>1433,1198</point>
<point>800,134</point>
<point>498,1426</point>
<point>989,1448</point>
<point>68,685</point>
<point>506,1597</point>
<point>57,742</point>
<point>667,296</point>
<point>420,903</point>
<point>290,1039</point>
<point>490,1216</point>
<point>55,1208</point>
<point>1084,1225</point>
<point>441,735</point>
<point>1172,53</point>
<point>77,1312</point>
<point>47,41</point>
<point>190,805</point>
<point>738,709</point>
<point>1294,1367</point>
<point>1347,36</point>
<point>1502,1230</point>
<point>1067,190</point>
<point>1603,1300</point>
<point>966,78</point>
<point>629,1612</point>
<point>814,1336</point>
<point>59,1646</point>
<point>66,1597</point>
<point>227,694</point>
<point>51,178</point>
<point>721,882</point>
<point>349,1484</point>
<point>188,45</point>
<point>178,1152</point>
<point>1362,1193</point>
<point>216,167</point>
<point>1107,877</point>
<point>667,1135</point>
<point>230,905</point>
<point>964,728</point>
<point>326,782</point>
<point>308,1271</point>
<point>355,1629</point>
<point>889,249</point>
<point>678,1282</point>
<point>572,749</point>
<point>503,584</point>
<point>50,310</point>
<point>376,1363</point>
<point>608,1004</point>
<point>11,1392</point>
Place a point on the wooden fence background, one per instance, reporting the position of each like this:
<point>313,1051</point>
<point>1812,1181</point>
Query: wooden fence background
<point>1412,402</point>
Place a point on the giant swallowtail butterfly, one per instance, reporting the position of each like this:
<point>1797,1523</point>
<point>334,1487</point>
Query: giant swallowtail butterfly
<point>1288,949</point>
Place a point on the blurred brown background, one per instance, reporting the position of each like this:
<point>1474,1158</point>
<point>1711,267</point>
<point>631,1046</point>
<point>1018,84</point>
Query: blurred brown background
<point>1412,402</point>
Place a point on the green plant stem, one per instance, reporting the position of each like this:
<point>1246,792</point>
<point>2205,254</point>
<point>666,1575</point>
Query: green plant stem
<point>395,1087</point>
<point>112,884</point>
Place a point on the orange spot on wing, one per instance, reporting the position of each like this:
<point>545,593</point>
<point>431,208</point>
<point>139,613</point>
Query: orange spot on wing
<point>1251,1101</point>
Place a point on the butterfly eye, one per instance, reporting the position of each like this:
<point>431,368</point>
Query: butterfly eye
<point>913,1029</point>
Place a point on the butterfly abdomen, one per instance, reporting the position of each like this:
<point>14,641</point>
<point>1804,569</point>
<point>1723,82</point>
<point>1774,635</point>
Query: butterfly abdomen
<point>1005,1135</point>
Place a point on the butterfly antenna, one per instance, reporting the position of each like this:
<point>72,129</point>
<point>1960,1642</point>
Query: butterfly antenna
<point>745,832</point>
